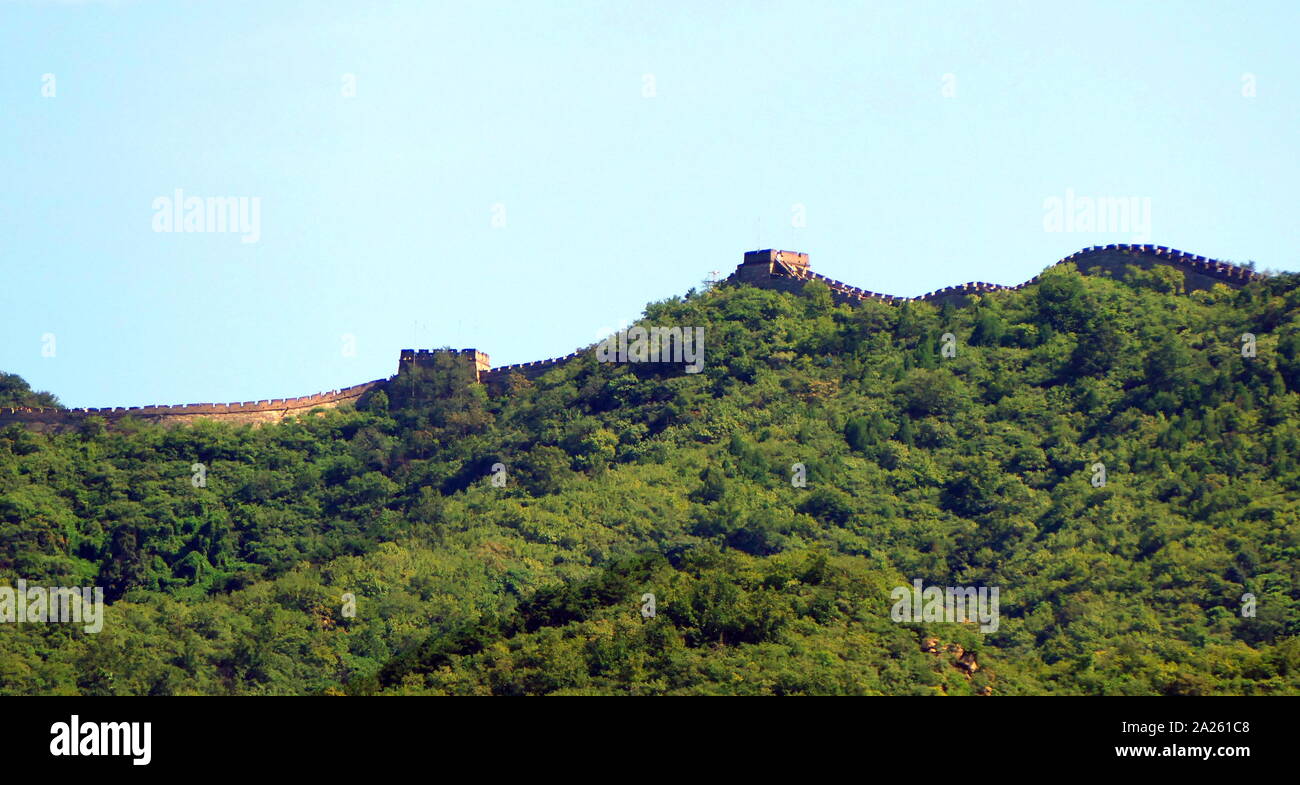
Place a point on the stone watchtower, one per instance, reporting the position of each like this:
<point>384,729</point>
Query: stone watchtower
<point>760,265</point>
<point>425,357</point>
<point>771,269</point>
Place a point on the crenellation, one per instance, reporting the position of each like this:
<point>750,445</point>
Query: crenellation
<point>760,268</point>
<point>769,269</point>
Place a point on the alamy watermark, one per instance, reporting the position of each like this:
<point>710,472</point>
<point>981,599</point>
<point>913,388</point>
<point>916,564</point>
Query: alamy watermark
<point>127,739</point>
<point>53,604</point>
<point>1122,214</point>
<point>953,604</point>
<point>683,345</point>
<point>233,214</point>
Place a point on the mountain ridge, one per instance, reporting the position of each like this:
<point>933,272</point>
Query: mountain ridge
<point>785,271</point>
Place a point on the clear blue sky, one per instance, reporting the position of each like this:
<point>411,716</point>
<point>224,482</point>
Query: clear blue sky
<point>377,210</point>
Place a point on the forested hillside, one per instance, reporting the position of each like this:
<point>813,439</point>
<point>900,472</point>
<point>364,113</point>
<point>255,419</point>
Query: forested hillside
<point>613,481</point>
<point>15,391</point>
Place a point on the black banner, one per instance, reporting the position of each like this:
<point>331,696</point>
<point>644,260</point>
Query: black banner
<point>226,736</point>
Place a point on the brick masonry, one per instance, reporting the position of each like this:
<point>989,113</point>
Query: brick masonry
<point>786,271</point>
<point>255,412</point>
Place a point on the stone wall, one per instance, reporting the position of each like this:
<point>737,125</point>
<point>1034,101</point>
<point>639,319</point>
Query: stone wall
<point>410,357</point>
<point>760,268</point>
<point>256,412</point>
<point>785,271</point>
<point>498,379</point>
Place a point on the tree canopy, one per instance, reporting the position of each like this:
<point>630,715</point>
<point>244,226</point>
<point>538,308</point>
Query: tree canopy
<point>436,539</point>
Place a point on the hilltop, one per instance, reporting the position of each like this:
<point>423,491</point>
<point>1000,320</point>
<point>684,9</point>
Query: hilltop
<point>1166,269</point>
<point>500,539</point>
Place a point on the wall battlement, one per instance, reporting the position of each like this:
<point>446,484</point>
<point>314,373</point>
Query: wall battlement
<point>767,269</point>
<point>531,370</point>
<point>421,357</point>
<point>256,412</point>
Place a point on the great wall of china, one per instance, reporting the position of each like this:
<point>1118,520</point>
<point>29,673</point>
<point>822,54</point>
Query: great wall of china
<point>788,271</point>
<point>768,269</point>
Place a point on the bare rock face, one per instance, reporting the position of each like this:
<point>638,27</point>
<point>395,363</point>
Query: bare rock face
<point>966,662</point>
<point>963,660</point>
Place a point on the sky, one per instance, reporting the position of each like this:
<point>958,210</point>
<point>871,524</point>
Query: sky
<point>522,178</point>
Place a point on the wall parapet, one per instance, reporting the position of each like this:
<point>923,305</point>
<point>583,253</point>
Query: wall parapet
<point>1202,269</point>
<point>278,407</point>
<point>529,370</point>
<point>769,269</point>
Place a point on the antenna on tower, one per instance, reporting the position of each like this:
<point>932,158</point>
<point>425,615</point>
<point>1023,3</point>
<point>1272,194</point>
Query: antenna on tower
<point>713,277</point>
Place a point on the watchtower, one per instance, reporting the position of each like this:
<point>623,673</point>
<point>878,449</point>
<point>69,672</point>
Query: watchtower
<point>425,357</point>
<point>759,266</point>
